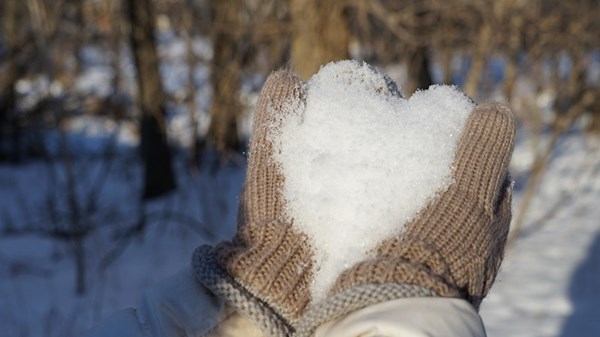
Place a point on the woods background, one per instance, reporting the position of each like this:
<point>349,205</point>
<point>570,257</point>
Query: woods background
<point>482,46</point>
<point>124,123</point>
<point>541,57</point>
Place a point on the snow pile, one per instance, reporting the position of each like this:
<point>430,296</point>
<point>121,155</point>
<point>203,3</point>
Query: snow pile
<point>360,161</point>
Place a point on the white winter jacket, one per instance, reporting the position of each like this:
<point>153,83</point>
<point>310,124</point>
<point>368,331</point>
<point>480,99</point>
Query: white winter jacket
<point>181,306</point>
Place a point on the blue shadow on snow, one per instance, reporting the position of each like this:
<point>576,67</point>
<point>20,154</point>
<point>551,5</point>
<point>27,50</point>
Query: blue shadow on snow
<point>584,294</point>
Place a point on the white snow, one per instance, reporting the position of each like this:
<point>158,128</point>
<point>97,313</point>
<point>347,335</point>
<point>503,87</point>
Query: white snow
<point>361,161</point>
<point>548,282</point>
<point>37,274</point>
<point>95,81</point>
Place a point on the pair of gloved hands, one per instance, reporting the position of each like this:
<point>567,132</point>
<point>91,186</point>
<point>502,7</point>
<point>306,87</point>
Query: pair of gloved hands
<point>453,247</point>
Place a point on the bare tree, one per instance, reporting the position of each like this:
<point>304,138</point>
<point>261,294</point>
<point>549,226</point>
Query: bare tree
<point>12,40</point>
<point>192,61</point>
<point>401,32</point>
<point>225,76</point>
<point>551,36</point>
<point>418,57</point>
<point>158,173</point>
<point>320,34</point>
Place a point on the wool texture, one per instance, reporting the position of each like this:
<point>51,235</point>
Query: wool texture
<point>353,299</point>
<point>266,269</point>
<point>455,245</point>
<point>451,248</point>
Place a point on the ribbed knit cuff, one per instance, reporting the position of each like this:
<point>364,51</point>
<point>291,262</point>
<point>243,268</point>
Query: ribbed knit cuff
<point>406,261</point>
<point>210,274</point>
<point>265,269</point>
<point>349,300</point>
<point>272,261</point>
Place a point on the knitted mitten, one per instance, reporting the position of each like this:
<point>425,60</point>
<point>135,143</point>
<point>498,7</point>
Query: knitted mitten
<point>264,272</point>
<point>454,246</point>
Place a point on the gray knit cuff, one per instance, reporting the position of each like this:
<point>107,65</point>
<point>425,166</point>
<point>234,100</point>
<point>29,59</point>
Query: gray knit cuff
<point>211,275</point>
<point>354,299</point>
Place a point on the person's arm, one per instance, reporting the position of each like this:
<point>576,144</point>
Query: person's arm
<point>409,317</point>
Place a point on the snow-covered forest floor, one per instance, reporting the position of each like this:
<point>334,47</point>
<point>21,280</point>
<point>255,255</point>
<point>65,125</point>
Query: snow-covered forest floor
<point>547,286</point>
<point>548,282</point>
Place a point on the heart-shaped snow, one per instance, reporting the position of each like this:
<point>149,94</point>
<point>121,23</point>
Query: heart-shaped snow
<point>360,161</point>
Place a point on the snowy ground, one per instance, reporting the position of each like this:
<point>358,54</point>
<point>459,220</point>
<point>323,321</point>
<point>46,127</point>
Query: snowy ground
<point>548,283</point>
<point>547,286</point>
<point>37,274</point>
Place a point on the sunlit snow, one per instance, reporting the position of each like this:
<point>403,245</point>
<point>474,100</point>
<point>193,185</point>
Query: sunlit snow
<point>360,161</point>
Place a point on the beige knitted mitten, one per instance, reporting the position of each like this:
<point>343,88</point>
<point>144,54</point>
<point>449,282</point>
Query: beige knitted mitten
<point>264,272</point>
<point>454,247</point>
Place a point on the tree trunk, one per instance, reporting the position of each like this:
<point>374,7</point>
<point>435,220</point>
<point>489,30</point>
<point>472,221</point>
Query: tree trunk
<point>419,70</point>
<point>192,60</point>
<point>9,127</point>
<point>158,173</point>
<point>594,125</point>
<point>419,73</point>
<point>479,57</point>
<point>225,76</point>
<point>320,34</point>
<point>447,64</point>
<point>515,42</point>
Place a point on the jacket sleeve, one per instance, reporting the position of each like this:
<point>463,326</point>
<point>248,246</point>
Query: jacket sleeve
<point>409,317</point>
<point>178,306</point>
